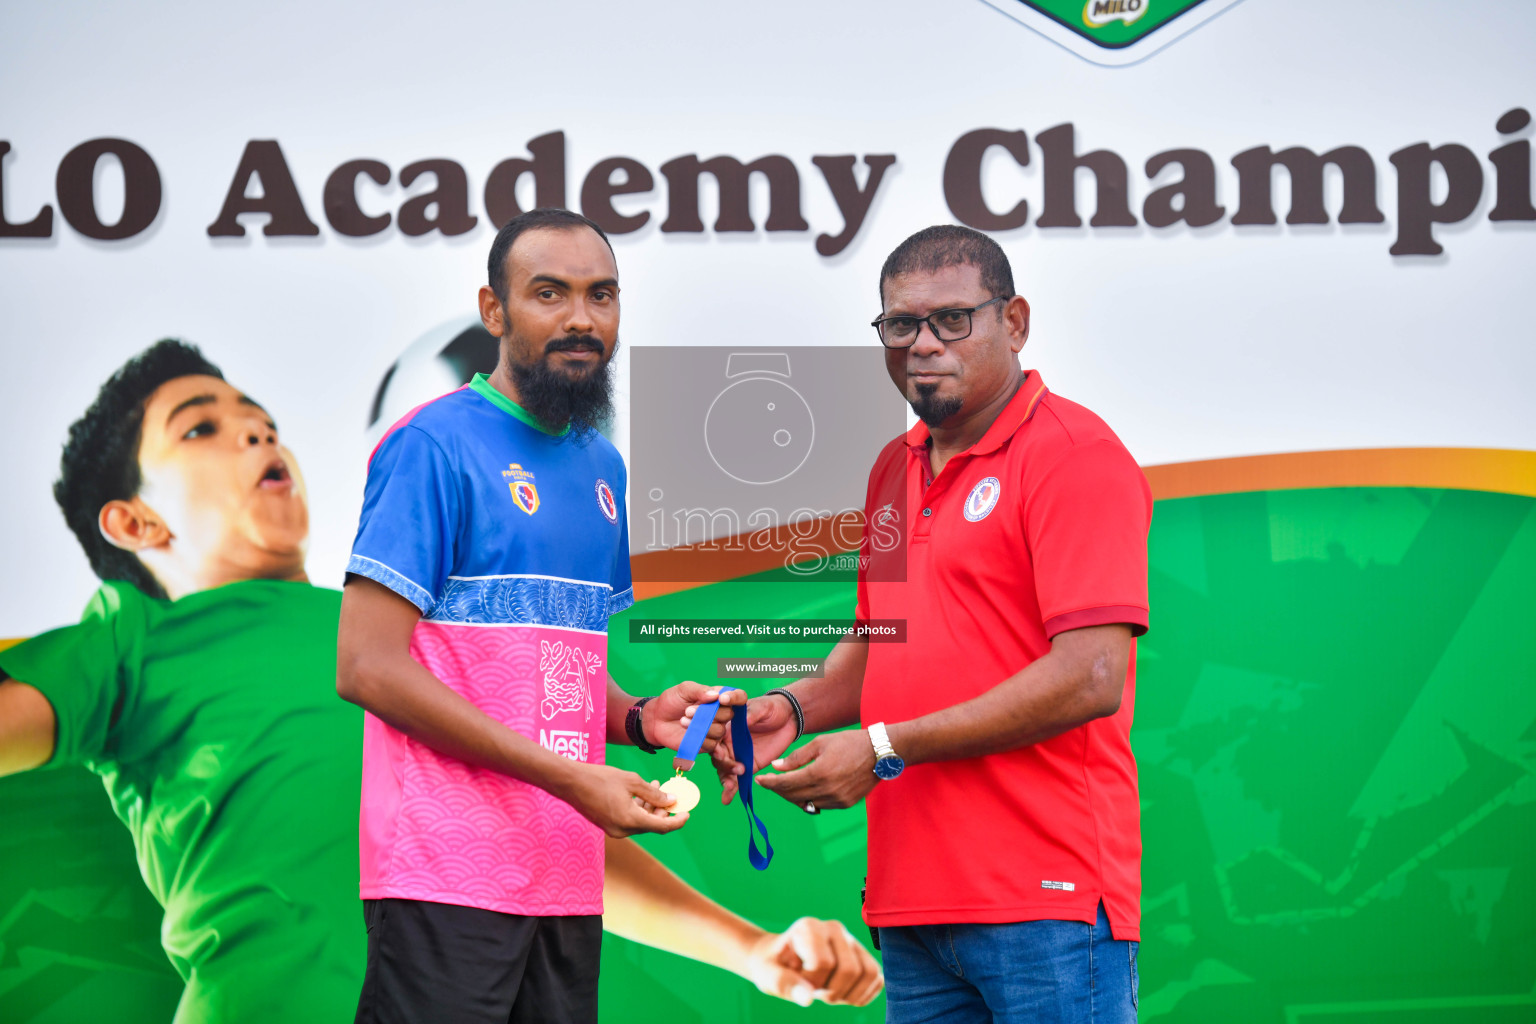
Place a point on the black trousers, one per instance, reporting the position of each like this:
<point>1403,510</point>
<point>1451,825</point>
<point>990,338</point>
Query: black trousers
<point>444,964</point>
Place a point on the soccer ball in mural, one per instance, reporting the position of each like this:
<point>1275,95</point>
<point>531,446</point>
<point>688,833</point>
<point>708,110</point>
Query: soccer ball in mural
<point>443,359</point>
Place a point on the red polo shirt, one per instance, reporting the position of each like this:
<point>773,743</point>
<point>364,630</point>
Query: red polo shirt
<point>1039,528</point>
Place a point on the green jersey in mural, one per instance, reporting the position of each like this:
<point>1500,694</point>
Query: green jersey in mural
<point>209,719</point>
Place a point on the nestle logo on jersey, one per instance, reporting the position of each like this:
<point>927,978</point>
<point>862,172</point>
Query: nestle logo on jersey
<point>565,742</point>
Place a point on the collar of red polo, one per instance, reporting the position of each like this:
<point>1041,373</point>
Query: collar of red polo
<point>1019,411</point>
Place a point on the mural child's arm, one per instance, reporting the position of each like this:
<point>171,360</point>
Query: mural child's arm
<point>27,727</point>
<point>812,959</point>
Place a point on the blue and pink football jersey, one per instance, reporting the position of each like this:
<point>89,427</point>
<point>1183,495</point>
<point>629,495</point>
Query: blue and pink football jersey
<point>514,545</point>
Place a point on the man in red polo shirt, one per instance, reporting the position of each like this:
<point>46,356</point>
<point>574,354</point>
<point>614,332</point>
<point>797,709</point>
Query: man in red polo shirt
<point>1004,824</point>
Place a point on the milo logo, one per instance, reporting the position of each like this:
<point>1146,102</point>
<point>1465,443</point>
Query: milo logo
<point>1098,13</point>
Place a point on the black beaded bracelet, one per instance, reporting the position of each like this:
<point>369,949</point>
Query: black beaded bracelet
<point>794,705</point>
<point>633,727</point>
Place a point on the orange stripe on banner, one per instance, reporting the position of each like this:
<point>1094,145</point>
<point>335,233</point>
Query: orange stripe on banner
<point>9,643</point>
<point>1501,470</point>
<point>695,565</point>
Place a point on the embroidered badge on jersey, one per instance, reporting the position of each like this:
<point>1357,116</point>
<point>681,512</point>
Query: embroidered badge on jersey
<point>606,503</point>
<point>983,499</point>
<point>520,482</point>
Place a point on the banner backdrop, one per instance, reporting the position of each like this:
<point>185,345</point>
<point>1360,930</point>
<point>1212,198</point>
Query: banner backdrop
<point>1279,246</point>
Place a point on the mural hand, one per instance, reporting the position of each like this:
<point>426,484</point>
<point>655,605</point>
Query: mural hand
<point>815,959</point>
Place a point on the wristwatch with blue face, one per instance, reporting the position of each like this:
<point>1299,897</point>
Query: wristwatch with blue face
<point>887,764</point>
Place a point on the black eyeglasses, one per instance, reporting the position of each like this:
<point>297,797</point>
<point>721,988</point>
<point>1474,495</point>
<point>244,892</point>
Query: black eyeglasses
<point>946,325</point>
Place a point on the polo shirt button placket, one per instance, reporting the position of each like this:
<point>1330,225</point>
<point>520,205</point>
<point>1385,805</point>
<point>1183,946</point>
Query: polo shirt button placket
<point>927,511</point>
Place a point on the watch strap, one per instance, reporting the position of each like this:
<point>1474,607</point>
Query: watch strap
<point>881,741</point>
<point>634,727</point>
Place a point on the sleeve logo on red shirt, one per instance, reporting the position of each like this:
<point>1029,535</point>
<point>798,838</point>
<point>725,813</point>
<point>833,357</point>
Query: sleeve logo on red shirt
<point>983,499</point>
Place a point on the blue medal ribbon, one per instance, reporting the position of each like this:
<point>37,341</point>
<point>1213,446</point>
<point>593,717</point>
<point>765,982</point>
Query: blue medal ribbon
<point>741,743</point>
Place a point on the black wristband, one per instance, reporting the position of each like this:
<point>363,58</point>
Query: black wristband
<point>633,727</point>
<point>794,706</point>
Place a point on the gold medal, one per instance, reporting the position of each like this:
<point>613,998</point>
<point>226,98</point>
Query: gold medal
<point>684,792</point>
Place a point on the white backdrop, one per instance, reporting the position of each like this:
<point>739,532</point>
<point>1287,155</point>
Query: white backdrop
<point>1192,343</point>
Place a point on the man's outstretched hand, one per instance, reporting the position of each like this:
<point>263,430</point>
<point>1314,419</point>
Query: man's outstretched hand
<point>772,724</point>
<point>666,718</point>
<point>815,959</point>
<point>836,769</point>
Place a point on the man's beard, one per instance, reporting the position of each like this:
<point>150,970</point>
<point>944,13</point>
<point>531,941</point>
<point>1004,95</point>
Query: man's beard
<point>932,409</point>
<point>558,398</point>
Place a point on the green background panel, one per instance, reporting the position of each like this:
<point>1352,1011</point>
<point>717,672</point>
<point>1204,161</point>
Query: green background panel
<point>1336,732</point>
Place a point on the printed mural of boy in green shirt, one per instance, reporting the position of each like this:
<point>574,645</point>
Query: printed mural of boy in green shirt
<point>200,686</point>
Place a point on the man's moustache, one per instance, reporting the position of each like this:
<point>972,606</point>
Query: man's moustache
<point>574,343</point>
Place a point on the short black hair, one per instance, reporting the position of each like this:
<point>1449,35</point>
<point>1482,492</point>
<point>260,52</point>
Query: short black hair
<point>950,245</point>
<point>543,217</point>
<point>101,458</point>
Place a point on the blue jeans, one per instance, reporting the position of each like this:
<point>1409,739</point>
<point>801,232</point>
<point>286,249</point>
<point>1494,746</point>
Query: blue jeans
<point>1040,972</point>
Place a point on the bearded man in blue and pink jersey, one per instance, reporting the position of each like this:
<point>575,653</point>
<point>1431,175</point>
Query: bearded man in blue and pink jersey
<point>492,548</point>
